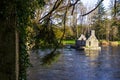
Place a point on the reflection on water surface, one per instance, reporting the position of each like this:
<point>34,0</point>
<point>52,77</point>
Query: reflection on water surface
<point>72,64</point>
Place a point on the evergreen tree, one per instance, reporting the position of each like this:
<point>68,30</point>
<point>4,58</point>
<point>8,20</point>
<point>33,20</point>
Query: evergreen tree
<point>115,16</point>
<point>98,22</point>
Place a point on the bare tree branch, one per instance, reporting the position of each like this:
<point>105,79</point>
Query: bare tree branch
<point>115,5</point>
<point>56,5</point>
<point>64,23</point>
<point>93,9</point>
<point>73,10</point>
<point>74,3</point>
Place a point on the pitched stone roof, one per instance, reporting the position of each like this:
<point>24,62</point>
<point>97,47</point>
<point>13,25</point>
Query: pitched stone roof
<point>82,37</point>
<point>92,36</point>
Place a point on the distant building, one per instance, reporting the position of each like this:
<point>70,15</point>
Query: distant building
<point>82,37</point>
<point>92,41</point>
<point>81,41</point>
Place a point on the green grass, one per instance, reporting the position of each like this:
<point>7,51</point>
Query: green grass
<point>119,42</point>
<point>72,42</point>
<point>68,42</point>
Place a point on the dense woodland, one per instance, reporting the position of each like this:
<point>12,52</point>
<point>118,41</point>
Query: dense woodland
<point>104,22</point>
<point>45,23</point>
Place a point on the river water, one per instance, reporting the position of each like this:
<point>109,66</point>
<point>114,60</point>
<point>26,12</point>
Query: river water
<point>73,64</point>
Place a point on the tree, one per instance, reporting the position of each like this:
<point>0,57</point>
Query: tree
<point>24,13</point>
<point>98,21</point>
<point>115,14</point>
<point>15,17</point>
<point>8,47</point>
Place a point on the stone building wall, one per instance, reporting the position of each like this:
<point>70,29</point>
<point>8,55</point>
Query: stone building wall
<point>92,41</point>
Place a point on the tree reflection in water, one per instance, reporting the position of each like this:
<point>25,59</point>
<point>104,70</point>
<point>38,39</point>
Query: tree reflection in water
<point>94,65</point>
<point>49,59</point>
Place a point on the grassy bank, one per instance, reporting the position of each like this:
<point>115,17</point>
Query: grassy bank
<point>119,42</point>
<point>112,43</point>
<point>104,42</point>
<point>71,42</point>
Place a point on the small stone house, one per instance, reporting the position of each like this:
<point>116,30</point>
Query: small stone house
<point>81,41</point>
<point>92,41</point>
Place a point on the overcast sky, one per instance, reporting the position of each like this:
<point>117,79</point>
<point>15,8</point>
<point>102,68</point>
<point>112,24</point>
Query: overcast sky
<point>92,3</point>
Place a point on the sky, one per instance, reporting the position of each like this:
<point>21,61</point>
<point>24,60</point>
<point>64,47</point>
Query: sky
<point>92,3</point>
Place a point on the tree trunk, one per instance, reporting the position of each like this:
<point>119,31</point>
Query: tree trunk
<point>8,42</point>
<point>8,54</point>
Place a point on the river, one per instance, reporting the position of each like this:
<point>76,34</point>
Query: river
<point>73,64</point>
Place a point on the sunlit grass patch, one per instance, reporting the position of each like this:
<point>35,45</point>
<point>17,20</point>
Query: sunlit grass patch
<point>119,42</point>
<point>68,42</point>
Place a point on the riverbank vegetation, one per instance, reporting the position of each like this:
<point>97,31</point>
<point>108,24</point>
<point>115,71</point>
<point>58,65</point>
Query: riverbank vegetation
<point>101,42</point>
<point>68,42</point>
<point>109,43</point>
